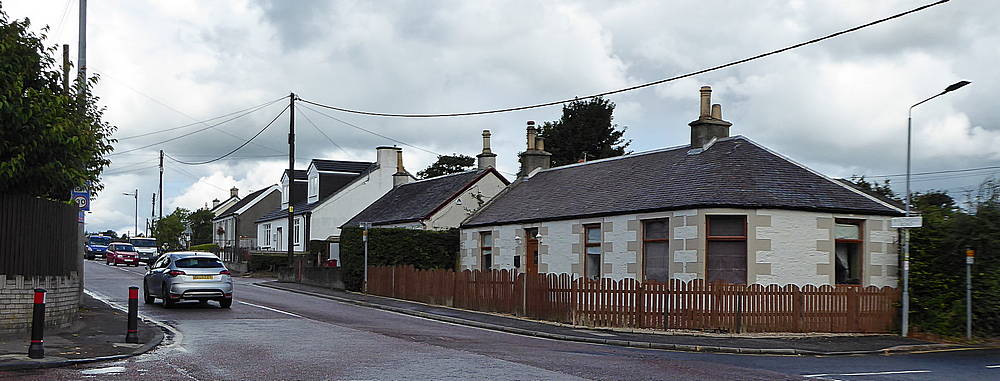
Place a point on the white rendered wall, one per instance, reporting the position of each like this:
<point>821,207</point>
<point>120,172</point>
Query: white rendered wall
<point>452,215</point>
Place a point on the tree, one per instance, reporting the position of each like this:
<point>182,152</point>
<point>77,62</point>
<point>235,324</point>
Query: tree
<point>200,222</point>
<point>872,187</point>
<point>51,140</point>
<point>585,132</point>
<point>169,230</point>
<point>447,164</point>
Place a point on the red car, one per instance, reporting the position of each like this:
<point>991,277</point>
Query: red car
<point>121,254</point>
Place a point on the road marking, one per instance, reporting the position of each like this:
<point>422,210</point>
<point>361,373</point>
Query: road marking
<point>271,309</point>
<point>867,373</point>
<point>993,366</point>
<point>174,343</point>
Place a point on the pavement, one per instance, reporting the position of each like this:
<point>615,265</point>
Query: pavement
<point>276,334</point>
<point>814,344</point>
<point>97,335</point>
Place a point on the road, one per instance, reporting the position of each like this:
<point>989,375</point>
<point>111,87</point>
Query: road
<point>278,335</point>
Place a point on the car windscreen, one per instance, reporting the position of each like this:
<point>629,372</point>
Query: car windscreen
<point>198,263</point>
<point>122,248</point>
<point>138,242</point>
<point>103,241</point>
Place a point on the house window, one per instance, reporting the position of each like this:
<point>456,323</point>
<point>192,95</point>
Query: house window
<point>727,249</point>
<point>267,235</point>
<point>847,252</point>
<point>284,193</point>
<point>592,246</point>
<point>486,250</point>
<point>655,250</point>
<point>295,234</point>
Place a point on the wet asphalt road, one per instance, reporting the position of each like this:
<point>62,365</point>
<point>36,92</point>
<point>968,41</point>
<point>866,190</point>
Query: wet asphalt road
<point>277,335</point>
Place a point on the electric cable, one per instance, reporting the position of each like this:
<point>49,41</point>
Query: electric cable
<point>254,108</point>
<point>647,84</point>
<point>185,135</point>
<point>324,134</point>
<point>237,147</point>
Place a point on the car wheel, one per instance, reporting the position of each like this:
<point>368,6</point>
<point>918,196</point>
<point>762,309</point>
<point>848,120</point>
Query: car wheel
<point>146,297</point>
<point>167,303</point>
<point>226,302</point>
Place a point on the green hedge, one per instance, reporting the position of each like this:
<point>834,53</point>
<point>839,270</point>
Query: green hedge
<point>209,247</point>
<point>397,246</point>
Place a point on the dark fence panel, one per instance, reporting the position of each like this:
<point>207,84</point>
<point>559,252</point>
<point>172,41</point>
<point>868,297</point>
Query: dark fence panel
<point>37,237</point>
<point>628,303</point>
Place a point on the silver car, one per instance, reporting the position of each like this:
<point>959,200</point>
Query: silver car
<point>188,275</point>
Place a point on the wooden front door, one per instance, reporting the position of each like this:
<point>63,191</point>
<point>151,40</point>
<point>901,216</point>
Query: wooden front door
<point>531,251</point>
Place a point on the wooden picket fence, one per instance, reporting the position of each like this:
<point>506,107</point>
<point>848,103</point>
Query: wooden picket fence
<point>628,303</point>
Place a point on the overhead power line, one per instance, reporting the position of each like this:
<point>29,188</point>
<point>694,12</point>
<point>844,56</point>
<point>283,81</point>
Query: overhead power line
<point>186,134</point>
<point>647,84</point>
<point>237,147</point>
<point>251,109</point>
<point>324,134</point>
<point>378,134</point>
<point>369,131</point>
<point>939,172</point>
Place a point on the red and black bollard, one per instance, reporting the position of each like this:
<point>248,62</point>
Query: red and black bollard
<point>132,335</point>
<point>37,349</point>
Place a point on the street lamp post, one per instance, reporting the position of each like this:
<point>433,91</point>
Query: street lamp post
<point>136,196</point>
<point>906,231</point>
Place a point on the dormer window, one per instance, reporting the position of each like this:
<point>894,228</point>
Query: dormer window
<point>313,188</point>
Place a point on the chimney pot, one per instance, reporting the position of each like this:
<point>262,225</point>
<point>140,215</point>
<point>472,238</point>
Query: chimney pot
<point>400,177</point>
<point>234,192</point>
<point>487,158</point>
<point>706,101</point>
<point>709,124</point>
<point>717,111</point>
<point>532,133</point>
<point>540,143</point>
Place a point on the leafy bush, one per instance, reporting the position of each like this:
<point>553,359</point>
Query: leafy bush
<point>396,246</point>
<point>209,247</point>
<point>937,256</point>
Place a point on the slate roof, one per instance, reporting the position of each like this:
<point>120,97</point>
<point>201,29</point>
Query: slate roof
<point>733,172</point>
<point>330,184</point>
<point>341,165</point>
<point>239,204</point>
<point>300,174</point>
<point>417,200</point>
<point>300,207</point>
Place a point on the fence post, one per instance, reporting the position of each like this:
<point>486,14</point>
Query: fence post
<point>797,307</point>
<point>852,309</point>
<point>639,304</point>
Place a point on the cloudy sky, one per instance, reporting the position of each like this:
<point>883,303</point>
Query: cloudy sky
<point>838,106</point>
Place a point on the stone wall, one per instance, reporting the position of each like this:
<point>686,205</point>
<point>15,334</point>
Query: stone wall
<point>62,300</point>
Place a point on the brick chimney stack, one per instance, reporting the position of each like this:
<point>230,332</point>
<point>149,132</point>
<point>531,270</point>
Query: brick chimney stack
<point>400,177</point>
<point>709,124</point>
<point>535,156</point>
<point>486,159</point>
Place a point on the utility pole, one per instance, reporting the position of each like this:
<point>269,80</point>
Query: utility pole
<point>161,184</point>
<point>152,213</point>
<point>82,54</point>
<point>65,78</point>
<point>291,176</point>
<point>366,226</point>
<point>970,257</point>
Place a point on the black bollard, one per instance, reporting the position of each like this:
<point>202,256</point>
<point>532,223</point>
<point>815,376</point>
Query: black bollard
<point>132,335</point>
<point>37,349</point>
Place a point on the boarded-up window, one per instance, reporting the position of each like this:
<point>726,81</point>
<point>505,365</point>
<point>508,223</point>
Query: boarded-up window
<point>655,250</point>
<point>847,253</point>
<point>727,249</point>
<point>486,249</point>
<point>592,245</point>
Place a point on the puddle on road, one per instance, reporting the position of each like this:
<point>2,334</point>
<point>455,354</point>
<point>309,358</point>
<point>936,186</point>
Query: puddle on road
<point>105,370</point>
